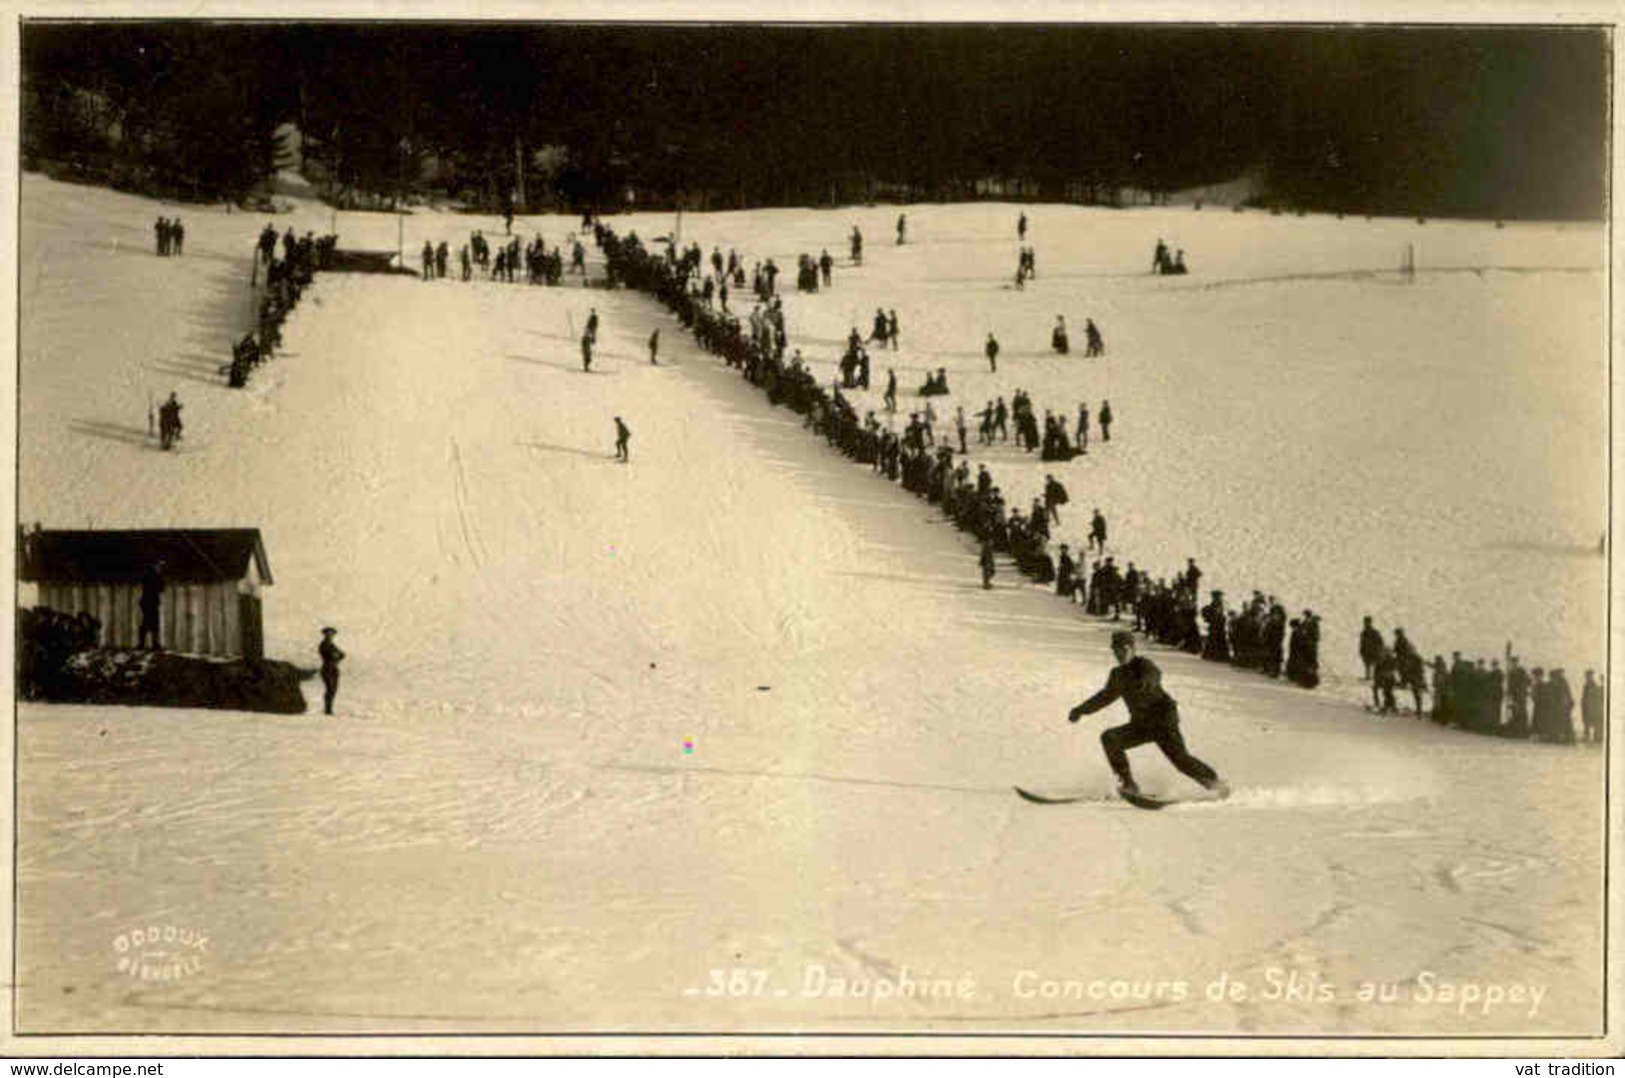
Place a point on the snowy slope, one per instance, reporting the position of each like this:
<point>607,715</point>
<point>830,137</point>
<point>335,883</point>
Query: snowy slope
<point>740,706</point>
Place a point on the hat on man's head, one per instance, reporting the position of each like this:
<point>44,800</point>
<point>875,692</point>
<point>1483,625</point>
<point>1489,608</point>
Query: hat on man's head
<point>1122,636</point>
<point>328,630</point>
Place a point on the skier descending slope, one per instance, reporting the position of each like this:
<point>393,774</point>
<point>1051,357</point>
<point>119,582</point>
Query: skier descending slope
<point>1153,716</point>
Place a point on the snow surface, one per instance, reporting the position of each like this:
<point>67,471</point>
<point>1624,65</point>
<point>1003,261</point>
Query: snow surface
<point>740,705</point>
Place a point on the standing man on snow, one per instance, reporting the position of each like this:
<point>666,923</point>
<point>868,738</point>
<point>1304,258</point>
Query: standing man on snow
<point>169,421</point>
<point>1153,716</point>
<point>623,435</point>
<point>992,351</point>
<point>331,657</point>
<point>1370,648</point>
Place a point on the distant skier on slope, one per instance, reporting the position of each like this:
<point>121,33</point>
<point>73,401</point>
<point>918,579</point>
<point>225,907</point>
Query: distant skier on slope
<point>1153,716</point>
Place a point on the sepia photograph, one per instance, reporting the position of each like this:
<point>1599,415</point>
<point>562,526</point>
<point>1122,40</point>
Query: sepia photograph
<point>942,531</point>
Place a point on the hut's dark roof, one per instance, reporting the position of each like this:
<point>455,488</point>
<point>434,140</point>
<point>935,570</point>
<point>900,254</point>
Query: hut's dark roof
<point>190,555</point>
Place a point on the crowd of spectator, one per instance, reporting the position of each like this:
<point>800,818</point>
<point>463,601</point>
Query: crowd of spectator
<point>286,279</point>
<point>1526,704</point>
<point>931,469</point>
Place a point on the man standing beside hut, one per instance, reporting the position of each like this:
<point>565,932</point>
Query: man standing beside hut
<point>331,657</point>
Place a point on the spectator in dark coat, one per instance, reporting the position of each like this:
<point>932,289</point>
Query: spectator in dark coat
<point>1591,708</point>
<point>1370,647</point>
<point>331,657</point>
<point>152,593</point>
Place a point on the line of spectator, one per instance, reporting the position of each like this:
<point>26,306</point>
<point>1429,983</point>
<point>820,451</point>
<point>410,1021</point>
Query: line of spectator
<point>975,504</point>
<point>1534,704</point>
<point>286,279</point>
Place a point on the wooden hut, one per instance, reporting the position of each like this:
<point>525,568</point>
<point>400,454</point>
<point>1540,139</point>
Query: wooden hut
<point>212,581</point>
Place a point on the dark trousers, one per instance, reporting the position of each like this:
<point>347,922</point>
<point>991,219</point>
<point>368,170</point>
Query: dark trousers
<point>1165,732</point>
<point>149,624</point>
<point>330,685</point>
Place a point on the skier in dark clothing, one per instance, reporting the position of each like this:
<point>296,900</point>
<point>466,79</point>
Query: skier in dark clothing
<point>1105,421</point>
<point>986,562</point>
<point>1021,228</point>
<point>331,657</point>
<point>1153,716</point>
<point>992,351</point>
<point>152,591</point>
<point>654,347</point>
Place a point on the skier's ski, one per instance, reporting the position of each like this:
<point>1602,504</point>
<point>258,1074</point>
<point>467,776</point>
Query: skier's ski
<point>1152,802</point>
<point>1043,799</point>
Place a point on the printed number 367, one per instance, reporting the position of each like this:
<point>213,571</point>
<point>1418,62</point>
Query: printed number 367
<point>736,982</point>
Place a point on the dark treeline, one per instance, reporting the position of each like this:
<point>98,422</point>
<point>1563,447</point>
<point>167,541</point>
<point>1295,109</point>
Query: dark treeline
<point>1492,122</point>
